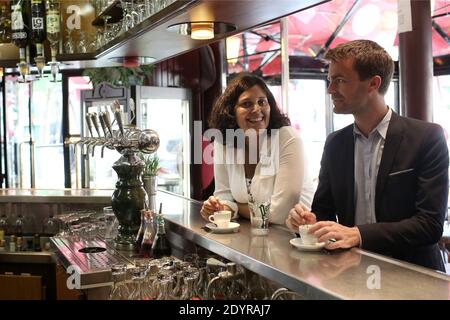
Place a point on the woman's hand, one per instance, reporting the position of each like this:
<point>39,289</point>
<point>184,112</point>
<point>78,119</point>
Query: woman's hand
<point>299,215</point>
<point>210,206</point>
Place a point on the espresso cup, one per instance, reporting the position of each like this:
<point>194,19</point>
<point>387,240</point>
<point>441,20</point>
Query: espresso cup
<point>305,236</point>
<point>221,218</point>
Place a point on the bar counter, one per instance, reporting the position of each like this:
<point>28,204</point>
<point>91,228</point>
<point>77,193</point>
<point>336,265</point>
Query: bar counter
<point>345,274</point>
<point>56,196</point>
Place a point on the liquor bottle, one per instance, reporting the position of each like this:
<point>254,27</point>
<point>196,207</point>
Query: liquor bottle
<point>141,232</point>
<point>37,242</point>
<point>149,235</point>
<point>4,224</point>
<point>18,226</point>
<point>19,30</point>
<point>19,244</point>
<point>5,25</point>
<point>161,246</point>
<point>50,226</point>
<point>53,21</point>
<point>37,25</point>
<point>12,243</point>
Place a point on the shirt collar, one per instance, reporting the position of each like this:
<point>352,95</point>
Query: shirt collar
<point>382,127</point>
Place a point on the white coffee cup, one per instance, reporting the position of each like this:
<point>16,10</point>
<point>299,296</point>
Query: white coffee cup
<point>221,218</point>
<point>305,236</point>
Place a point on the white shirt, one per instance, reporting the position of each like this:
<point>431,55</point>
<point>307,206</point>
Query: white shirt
<point>368,152</point>
<point>280,175</point>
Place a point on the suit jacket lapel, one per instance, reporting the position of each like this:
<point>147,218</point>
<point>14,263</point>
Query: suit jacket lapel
<point>394,137</point>
<point>349,177</point>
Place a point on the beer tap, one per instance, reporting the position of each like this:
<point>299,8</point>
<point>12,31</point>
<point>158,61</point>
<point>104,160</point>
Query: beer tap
<point>102,123</point>
<point>106,142</point>
<point>88,140</point>
<point>99,140</point>
<point>107,121</point>
<point>89,124</point>
<point>118,116</point>
<point>95,122</point>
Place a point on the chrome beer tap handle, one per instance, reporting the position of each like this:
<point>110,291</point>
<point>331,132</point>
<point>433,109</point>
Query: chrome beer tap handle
<point>118,116</point>
<point>95,122</point>
<point>89,123</point>
<point>107,121</point>
<point>102,124</point>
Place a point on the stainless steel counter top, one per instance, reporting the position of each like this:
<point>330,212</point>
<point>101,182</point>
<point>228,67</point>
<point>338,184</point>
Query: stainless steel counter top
<point>56,196</point>
<point>347,274</point>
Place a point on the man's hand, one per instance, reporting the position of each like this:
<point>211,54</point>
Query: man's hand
<point>299,215</point>
<point>210,206</point>
<point>345,237</point>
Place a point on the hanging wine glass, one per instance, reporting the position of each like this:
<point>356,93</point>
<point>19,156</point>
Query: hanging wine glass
<point>68,45</point>
<point>82,46</point>
<point>105,29</point>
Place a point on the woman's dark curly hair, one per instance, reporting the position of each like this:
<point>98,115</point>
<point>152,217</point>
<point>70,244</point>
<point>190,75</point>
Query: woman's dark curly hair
<point>223,115</point>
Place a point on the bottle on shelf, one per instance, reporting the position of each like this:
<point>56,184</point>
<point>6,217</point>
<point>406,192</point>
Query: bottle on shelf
<point>37,243</point>
<point>149,235</point>
<point>38,32</point>
<point>53,23</point>
<point>5,24</point>
<point>19,34</point>
<point>18,226</point>
<point>141,232</point>
<point>12,243</point>
<point>38,24</point>
<point>161,246</point>
<point>50,226</point>
<point>19,30</point>
<point>4,224</point>
<point>19,244</point>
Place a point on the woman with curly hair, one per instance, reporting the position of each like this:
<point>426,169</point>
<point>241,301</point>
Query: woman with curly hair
<point>276,170</point>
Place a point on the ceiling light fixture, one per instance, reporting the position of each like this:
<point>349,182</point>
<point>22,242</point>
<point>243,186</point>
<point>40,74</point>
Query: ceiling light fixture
<point>202,30</point>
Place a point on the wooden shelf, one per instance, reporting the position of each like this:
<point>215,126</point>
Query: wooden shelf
<point>114,11</point>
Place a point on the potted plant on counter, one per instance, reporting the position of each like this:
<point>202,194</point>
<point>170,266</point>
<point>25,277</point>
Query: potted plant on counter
<point>149,175</point>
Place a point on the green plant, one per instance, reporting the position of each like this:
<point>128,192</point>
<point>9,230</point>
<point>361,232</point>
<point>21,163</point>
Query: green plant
<point>118,76</point>
<point>151,164</point>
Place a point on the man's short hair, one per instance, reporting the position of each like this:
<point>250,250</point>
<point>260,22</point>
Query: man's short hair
<point>370,59</point>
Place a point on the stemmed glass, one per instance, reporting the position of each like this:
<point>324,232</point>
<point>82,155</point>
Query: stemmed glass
<point>106,37</point>
<point>68,46</point>
<point>82,47</point>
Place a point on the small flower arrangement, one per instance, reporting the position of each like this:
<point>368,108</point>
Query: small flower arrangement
<point>151,164</point>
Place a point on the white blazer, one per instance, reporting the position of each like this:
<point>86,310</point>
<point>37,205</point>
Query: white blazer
<point>280,175</point>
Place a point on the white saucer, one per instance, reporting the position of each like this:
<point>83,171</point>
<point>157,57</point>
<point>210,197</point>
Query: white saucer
<point>297,242</point>
<point>232,227</point>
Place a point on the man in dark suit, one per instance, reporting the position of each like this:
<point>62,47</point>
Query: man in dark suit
<point>383,182</point>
